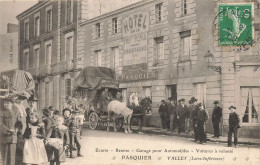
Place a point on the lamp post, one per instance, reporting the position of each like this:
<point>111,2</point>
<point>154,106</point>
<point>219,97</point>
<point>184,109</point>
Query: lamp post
<point>209,58</point>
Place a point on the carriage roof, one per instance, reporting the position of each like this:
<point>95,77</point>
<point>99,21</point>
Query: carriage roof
<point>91,79</point>
<point>18,81</point>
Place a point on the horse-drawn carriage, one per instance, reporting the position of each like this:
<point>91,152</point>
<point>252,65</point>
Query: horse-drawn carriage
<point>100,87</point>
<point>15,83</point>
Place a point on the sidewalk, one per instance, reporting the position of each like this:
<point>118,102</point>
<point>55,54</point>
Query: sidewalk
<point>160,131</point>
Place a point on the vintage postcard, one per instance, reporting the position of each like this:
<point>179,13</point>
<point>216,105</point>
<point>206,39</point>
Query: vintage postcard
<point>129,82</point>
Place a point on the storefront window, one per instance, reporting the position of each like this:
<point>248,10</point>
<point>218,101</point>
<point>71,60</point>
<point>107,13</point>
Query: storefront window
<point>124,95</point>
<point>147,92</point>
<point>199,92</point>
<point>250,104</point>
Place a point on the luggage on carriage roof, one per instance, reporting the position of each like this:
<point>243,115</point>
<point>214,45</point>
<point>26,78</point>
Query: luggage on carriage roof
<point>16,82</point>
<point>91,79</point>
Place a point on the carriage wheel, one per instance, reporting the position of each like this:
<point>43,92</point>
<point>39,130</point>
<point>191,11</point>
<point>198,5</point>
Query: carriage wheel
<point>119,122</point>
<point>93,120</point>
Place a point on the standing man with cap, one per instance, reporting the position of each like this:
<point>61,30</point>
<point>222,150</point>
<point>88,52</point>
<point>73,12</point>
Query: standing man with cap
<point>233,122</point>
<point>33,108</point>
<point>216,116</point>
<point>182,110</point>
<point>192,107</point>
<point>10,126</point>
<point>163,109</point>
<point>172,113</point>
<point>201,122</point>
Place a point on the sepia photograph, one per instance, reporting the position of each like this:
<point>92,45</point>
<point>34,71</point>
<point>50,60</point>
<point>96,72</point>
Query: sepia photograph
<point>129,82</point>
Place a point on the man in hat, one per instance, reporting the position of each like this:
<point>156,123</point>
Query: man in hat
<point>172,113</point>
<point>193,103</point>
<point>233,121</point>
<point>194,114</point>
<point>21,112</point>
<point>10,126</point>
<point>74,130</point>
<point>47,120</point>
<point>200,123</point>
<point>216,116</point>
<point>33,108</point>
<point>182,110</point>
<point>163,111</point>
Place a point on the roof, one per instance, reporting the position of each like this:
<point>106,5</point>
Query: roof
<point>92,78</point>
<point>120,10</point>
<point>31,9</point>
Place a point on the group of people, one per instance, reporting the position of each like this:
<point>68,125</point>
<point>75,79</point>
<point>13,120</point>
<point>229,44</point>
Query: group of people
<point>32,136</point>
<point>193,118</point>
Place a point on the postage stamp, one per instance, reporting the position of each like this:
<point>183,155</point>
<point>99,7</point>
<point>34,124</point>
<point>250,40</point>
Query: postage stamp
<point>235,22</point>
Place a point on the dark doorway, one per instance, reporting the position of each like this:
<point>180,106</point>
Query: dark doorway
<point>172,92</point>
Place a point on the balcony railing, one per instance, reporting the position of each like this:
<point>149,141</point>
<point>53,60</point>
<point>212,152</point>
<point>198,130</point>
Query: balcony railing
<point>65,66</point>
<point>34,71</point>
<point>45,70</point>
<point>77,63</point>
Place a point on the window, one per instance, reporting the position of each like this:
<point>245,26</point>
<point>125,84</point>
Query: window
<point>124,95</point>
<point>185,43</point>
<point>99,57</point>
<point>68,87</point>
<point>26,59</point>
<point>158,12</point>
<point>69,11</point>
<point>114,25</point>
<point>37,26</point>
<point>200,92</point>
<point>147,92</point>
<point>36,57</point>
<point>171,91</point>
<point>159,48</point>
<point>26,30</point>
<point>49,20</point>
<point>250,103</point>
<point>47,93</point>
<point>115,57</point>
<point>37,90</point>
<point>69,48</point>
<point>98,30</point>
<point>185,7</point>
<point>48,52</point>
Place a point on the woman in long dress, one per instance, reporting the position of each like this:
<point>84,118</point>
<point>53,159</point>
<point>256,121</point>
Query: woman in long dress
<point>34,150</point>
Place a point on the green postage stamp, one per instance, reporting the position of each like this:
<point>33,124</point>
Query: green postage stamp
<point>235,21</point>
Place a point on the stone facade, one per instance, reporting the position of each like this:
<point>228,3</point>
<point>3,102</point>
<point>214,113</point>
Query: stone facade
<point>50,76</point>
<point>182,74</point>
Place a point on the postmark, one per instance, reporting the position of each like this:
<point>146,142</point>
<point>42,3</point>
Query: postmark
<point>235,21</point>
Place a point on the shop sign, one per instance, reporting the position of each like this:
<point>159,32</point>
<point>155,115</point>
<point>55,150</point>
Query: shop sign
<point>138,72</point>
<point>134,31</point>
<point>235,22</point>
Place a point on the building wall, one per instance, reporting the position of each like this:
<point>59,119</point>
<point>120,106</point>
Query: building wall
<point>51,83</point>
<point>9,51</point>
<point>240,70</point>
<point>173,70</point>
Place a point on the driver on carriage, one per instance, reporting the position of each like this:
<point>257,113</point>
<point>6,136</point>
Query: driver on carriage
<point>105,98</point>
<point>133,100</point>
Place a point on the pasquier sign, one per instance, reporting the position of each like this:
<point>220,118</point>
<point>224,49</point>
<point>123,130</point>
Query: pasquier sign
<point>138,72</point>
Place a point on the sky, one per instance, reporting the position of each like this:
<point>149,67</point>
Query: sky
<point>9,9</point>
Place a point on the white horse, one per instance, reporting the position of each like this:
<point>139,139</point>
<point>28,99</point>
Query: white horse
<point>119,108</point>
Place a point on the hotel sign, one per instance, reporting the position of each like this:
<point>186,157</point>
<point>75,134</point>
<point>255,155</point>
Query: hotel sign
<point>134,31</point>
<point>138,72</point>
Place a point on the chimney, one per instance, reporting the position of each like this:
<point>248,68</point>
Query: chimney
<point>11,28</point>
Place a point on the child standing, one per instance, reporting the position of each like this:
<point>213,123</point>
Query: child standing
<point>200,123</point>
<point>59,131</point>
<point>233,126</point>
<point>34,150</point>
